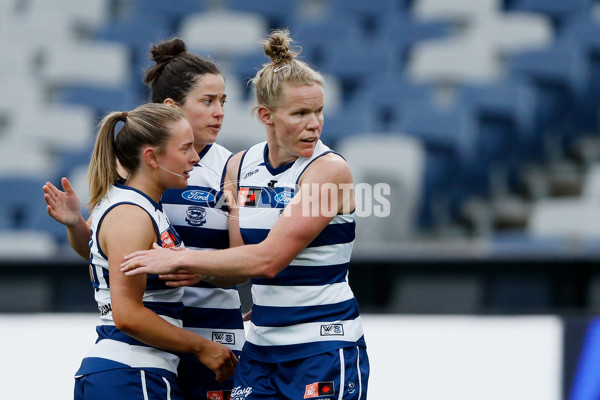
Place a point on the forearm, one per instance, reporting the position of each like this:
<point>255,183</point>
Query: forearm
<point>79,238</point>
<point>148,327</point>
<point>238,262</point>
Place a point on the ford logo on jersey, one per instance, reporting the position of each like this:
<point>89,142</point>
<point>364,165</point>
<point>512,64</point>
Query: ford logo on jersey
<point>198,196</point>
<point>283,197</point>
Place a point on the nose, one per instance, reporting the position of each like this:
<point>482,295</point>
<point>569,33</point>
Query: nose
<point>315,122</point>
<point>219,110</point>
<point>195,158</point>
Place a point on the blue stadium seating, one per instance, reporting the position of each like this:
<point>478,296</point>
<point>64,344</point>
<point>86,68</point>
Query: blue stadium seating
<point>22,207</point>
<point>314,35</point>
<point>559,10</point>
<point>138,31</point>
<point>278,12</point>
<point>103,99</point>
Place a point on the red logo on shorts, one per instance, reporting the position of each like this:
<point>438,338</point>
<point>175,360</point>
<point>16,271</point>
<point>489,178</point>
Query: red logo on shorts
<point>218,395</point>
<point>319,389</point>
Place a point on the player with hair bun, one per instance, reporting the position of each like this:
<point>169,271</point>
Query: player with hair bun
<point>198,213</point>
<point>305,337</point>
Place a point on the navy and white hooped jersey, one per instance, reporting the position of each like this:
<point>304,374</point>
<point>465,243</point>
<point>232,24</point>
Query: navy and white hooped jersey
<point>308,308</point>
<point>114,349</point>
<point>199,214</point>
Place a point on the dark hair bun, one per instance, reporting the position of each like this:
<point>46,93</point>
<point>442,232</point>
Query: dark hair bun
<point>166,51</point>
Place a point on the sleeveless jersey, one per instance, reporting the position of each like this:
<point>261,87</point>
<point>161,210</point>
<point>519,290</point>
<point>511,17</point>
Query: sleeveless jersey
<point>114,349</point>
<point>308,308</point>
<point>199,214</point>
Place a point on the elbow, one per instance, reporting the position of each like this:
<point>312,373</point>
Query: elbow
<point>270,268</point>
<point>125,325</point>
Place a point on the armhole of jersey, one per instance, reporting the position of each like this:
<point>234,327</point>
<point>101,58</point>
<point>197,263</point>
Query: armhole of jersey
<point>157,233</point>
<point>313,160</point>
<point>222,185</point>
<point>317,157</point>
<point>239,174</point>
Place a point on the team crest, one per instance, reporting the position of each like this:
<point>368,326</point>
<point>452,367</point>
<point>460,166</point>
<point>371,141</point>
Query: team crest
<point>195,216</point>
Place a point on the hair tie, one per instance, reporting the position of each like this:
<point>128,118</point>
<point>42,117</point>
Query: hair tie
<point>277,69</point>
<point>123,116</point>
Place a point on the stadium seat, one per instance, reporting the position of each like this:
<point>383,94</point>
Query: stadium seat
<point>405,31</point>
<point>370,15</point>
<point>397,161</point>
<point>17,90</point>
<point>137,32</point>
<point>513,32</point>
<point>572,218</point>
<point>453,61</point>
<point>348,120</point>
<point>591,183</point>
<point>354,62</point>
<point>27,245</point>
<point>82,16</point>
<point>21,63</point>
<point>583,31</point>
<point>70,160</point>
<point>452,172</point>
<point>241,129</point>
<point>244,67</point>
<point>561,76</point>
<point>24,158</point>
<point>57,127</point>
<point>315,35</point>
<point>456,11</point>
<point>277,12</point>
<point>102,99</point>
<point>558,10</point>
<point>21,196</point>
<point>385,95</point>
<point>172,12</point>
<point>204,33</point>
<point>86,63</point>
<point>507,132</point>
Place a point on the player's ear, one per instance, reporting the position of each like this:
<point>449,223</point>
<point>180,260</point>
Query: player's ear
<point>149,156</point>
<point>170,102</point>
<point>265,115</point>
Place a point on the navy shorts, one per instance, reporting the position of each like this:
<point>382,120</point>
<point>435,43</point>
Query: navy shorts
<point>126,384</point>
<point>196,381</point>
<point>337,374</point>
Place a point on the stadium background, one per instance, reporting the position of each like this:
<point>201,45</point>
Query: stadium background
<point>481,115</point>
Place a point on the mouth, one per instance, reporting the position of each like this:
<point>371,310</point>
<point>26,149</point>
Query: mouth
<point>309,140</point>
<point>216,127</point>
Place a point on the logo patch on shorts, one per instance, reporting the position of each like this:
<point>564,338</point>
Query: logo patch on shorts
<point>332,330</point>
<point>319,389</point>
<point>223,337</point>
<point>218,395</point>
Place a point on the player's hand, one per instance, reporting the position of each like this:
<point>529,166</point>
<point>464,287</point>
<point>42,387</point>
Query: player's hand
<point>64,207</point>
<point>220,359</point>
<point>181,279</point>
<point>158,261</point>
